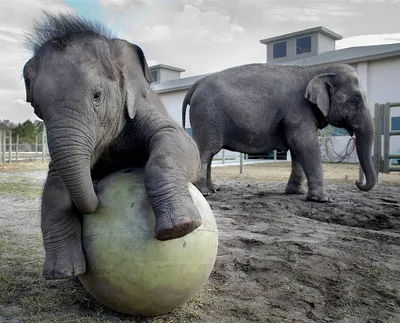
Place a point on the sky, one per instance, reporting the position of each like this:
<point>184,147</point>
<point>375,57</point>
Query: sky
<point>200,36</point>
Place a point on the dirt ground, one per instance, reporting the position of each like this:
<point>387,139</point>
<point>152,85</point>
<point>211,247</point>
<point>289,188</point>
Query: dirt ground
<point>280,258</point>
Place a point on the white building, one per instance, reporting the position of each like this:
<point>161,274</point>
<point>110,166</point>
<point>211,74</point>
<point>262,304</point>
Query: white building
<point>378,67</point>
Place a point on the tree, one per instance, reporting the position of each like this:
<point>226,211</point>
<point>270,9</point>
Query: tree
<point>39,127</point>
<point>27,131</point>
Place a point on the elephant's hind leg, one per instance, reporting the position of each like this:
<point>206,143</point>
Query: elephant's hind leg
<point>61,230</point>
<point>204,182</point>
<point>296,181</point>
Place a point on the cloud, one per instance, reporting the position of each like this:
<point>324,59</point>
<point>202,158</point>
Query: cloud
<point>117,5</point>
<point>16,17</point>
<point>368,40</point>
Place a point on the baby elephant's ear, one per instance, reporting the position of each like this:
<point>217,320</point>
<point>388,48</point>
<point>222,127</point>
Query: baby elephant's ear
<point>318,92</point>
<point>29,73</point>
<point>134,69</point>
<point>29,76</point>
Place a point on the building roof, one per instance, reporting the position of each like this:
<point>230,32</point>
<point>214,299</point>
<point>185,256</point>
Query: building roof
<point>349,55</point>
<point>178,84</point>
<point>167,67</point>
<point>319,29</point>
<point>345,55</point>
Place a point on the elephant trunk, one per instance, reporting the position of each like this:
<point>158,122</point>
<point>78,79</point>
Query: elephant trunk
<point>364,141</point>
<point>70,151</point>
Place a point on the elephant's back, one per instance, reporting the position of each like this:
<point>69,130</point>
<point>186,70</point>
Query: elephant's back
<point>248,86</point>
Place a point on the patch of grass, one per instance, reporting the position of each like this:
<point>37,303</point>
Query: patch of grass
<point>340,173</point>
<point>14,187</point>
<point>26,167</point>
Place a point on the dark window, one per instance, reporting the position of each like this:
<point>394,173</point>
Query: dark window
<point>279,50</point>
<point>154,75</point>
<point>303,45</point>
<point>395,123</point>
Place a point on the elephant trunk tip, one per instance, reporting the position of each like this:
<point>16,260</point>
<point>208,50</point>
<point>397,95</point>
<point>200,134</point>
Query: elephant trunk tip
<point>88,207</point>
<point>365,187</point>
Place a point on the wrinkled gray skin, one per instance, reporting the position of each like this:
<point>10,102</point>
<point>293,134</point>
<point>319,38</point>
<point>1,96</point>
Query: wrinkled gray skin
<point>256,108</point>
<point>93,93</point>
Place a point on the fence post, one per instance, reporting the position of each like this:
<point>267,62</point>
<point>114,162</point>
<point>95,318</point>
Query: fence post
<point>275,154</point>
<point>3,150</point>
<point>223,156</point>
<point>9,145</point>
<point>36,145</point>
<point>386,138</point>
<point>1,146</point>
<point>378,116</point>
<point>43,153</point>
<point>241,163</point>
<point>17,148</point>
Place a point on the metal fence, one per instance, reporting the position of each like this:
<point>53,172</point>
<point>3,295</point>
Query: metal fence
<point>390,161</point>
<point>12,150</point>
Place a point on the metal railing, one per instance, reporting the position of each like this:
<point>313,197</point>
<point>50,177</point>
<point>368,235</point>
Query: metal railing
<point>12,150</point>
<point>383,112</point>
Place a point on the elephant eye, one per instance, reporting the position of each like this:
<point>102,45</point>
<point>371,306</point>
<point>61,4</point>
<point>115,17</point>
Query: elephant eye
<point>97,96</point>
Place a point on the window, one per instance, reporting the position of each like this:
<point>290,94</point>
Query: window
<point>303,45</point>
<point>279,50</point>
<point>154,75</point>
<point>395,123</point>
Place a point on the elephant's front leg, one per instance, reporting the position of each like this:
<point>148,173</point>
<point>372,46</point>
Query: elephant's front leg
<point>173,163</point>
<point>304,143</point>
<point>296,181</point>
<point>61,230</point>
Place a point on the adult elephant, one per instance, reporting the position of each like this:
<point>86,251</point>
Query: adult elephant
<point>92,91</point>
<point>256,108</point>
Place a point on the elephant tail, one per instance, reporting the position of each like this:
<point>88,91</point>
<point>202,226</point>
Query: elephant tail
<point>186,101</point>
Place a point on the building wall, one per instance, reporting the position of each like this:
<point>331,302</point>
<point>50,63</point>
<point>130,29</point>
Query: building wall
<point>173,103</point>
<point>166,75</point>
<point>383,81</point>
<point>291,49</point>
<point>325,44</point>
<point>383,86</point>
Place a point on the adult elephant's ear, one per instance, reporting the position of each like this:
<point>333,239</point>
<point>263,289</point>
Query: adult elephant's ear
<point>143,62</point>
<point>318,91</point>
<point>135,72</point>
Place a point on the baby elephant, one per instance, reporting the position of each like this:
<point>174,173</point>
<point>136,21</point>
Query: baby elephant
<point>92,91</point>
<point>260,107</point>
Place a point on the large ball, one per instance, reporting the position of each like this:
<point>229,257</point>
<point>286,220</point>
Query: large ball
<point>130,271</point>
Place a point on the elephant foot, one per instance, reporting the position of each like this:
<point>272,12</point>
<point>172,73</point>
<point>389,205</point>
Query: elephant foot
<point>64,265</point>
<point>175,225</point>
<point>213,188</point>
<point>295,188</point>
<point>317,196</point>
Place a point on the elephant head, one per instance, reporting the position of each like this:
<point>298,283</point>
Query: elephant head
<point>339,97</point>
<point>84,85</point>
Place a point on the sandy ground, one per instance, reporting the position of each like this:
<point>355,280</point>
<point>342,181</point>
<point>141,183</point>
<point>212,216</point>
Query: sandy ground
<point>280,258</point>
